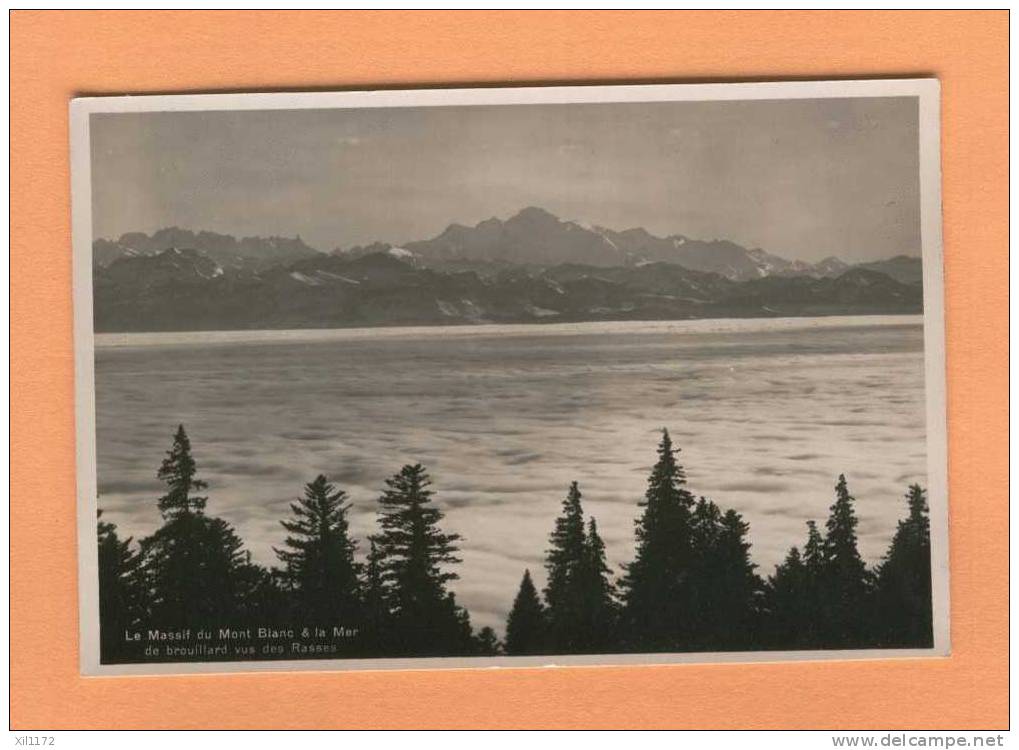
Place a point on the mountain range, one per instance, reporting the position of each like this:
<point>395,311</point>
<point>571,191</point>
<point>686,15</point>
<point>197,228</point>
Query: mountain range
<point>245,254</point>
<point>534,237</point>
<point>532,267</point>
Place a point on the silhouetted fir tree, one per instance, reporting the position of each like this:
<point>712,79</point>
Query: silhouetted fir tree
<point>415,573</point>
<point>739,587</point>
<point>702,590</point>
<point>902,609</point>
<point>527,625</point>
<point>319,559</point>
<point>815,609</point>
<point>844,585</point>
<point>121,604</point>
<point>178,471</point>
<point>191,563</point>
<point>655,586</point>
<point>487,643</point>
<point>813,551</point>
<point>787,604</point>
<point>564,561</point>
<point>724,591</point>
<point>598,610</point>
<point>466,642</point>
<point>796,603</point>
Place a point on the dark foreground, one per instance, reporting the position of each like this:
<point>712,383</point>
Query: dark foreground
<point>189,592</point>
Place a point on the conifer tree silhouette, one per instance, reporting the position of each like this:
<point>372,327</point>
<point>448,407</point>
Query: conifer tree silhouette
<point>564,561</point>
<point>814,624</point>
<point>844,585</point>
<point>487,642</point>
<point>656,585</point>
<point>192,562</point>
<point>740,588</point>
<point>902,610</point>
<point>121,592</point>
<point>703,591</point>
<point>416,558</point>
<point>813,550</point>
<point>527,624</point>
<point>598,609</point>
<point>724,591</point>
<point>319,557</point>
<point>465,641</point>
<point>178,471</point>
<point>787,610</point>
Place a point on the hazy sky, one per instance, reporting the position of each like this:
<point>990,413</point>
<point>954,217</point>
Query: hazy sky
<point>799,178</point>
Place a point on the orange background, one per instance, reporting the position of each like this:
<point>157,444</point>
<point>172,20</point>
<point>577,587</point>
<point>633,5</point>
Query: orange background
<point>56,55</point>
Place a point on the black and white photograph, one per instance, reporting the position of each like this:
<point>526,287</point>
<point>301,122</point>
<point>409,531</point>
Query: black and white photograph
<point>510,377</point>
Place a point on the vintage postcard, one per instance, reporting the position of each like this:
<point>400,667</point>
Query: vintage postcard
<point>510,377</point>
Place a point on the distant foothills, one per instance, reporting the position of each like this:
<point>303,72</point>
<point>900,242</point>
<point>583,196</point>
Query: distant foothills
<point>532,267</point>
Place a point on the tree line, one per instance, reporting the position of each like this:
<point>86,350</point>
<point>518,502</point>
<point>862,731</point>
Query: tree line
<point>691,585</point>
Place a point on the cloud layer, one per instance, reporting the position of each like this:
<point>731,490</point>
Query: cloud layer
<point>765,418</point>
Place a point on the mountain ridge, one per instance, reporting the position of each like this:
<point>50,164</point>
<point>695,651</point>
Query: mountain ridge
<point>246,253</point>
<point>186,290</point>
<point>532,238</point>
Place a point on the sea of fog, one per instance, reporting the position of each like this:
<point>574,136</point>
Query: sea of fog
<point>767,414</point>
